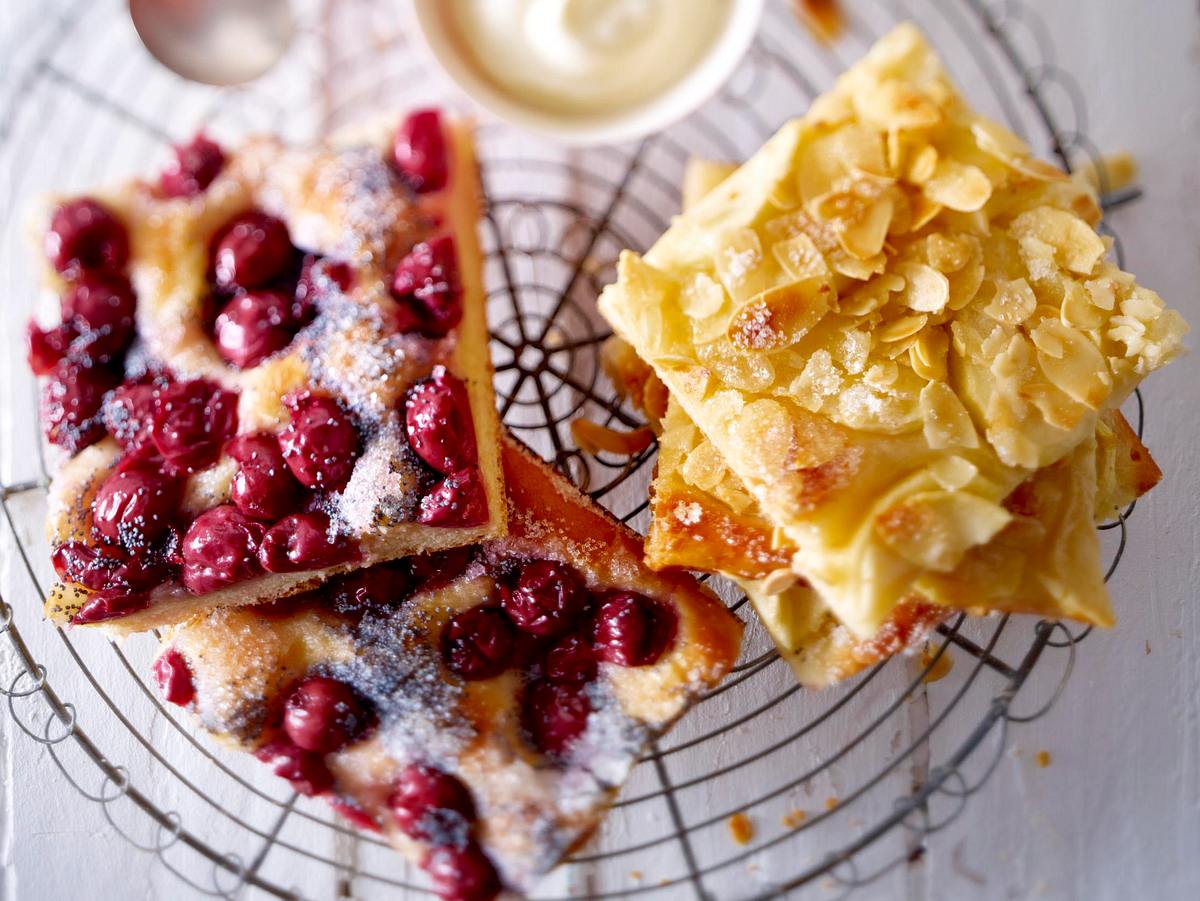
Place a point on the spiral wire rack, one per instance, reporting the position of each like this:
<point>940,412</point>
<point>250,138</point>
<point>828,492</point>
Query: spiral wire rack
<point>553,225</point>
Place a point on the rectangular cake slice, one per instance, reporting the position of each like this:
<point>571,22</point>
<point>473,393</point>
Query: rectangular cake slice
<point>271,366</point>
<point>885,322</point>
<point>480,707</point>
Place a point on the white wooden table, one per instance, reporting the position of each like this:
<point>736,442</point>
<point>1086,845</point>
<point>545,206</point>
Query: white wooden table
<point>1115,814</point>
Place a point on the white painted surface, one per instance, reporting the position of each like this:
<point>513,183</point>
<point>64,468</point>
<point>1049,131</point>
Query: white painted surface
<point>1116,814</point>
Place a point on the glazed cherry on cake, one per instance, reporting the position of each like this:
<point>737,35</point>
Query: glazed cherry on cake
<point>317,327</point>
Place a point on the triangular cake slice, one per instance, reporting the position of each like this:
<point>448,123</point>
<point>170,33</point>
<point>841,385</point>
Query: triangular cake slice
<point>480,707</point>
<point>271,367</point>
<point>885,322</point>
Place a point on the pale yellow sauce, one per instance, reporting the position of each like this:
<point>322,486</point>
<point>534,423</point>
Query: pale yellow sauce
<point>586,57</point>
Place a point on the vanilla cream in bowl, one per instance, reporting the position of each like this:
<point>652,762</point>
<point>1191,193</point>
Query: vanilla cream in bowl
<point>589,71</point>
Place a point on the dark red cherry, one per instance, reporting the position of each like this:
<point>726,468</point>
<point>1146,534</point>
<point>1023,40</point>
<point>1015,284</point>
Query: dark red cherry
<point>457,501</point>
<point>427,288</point>
<point>106,566</point>
<point>46,347</point>
<point>320,444</point>
<point>631,630</point>
<point>174,677</point>
<point>263,486</point>
<point>419,151</point>
<point>571,661</point>
<point>429,803</point>
<point>461,873</point>
<point>85,236</point>
<point>195,166</point>
<point>128,412</point>
<point>546,599</point>
<point>191,421</point>
<point>253,326</point>
<point>319,278</point>
<point>302,541</point>
<point>221,548</point>
<point>433,571</point>
<point>478,643</point>
<point>555,715</point>
<point>110,603</point>
<point>354,813</point>
<point>71,403</point>
<point>374,588</point>
<point>134,506</point>
<point>437,418</point>
<point>305,770</point>
<point>99,308</point>
<point>252,251</point>
<point>324,715</point>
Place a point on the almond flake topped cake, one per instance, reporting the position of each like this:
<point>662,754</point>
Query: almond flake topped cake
<point>271,366</point>
<point>480,706</point>
<point>885,322</point>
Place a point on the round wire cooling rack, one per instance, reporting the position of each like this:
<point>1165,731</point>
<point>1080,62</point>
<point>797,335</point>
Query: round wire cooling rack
<point>845,785</point>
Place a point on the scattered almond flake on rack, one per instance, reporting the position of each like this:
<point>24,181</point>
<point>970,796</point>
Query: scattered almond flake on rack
<point>1119,170</point>
<point>593,438</point>
<point>1043,759</point>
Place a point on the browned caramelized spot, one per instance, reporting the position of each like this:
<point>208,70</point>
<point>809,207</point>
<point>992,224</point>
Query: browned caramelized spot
<point>820,481</point>
<point>823,18</point>
<point>695,531</point>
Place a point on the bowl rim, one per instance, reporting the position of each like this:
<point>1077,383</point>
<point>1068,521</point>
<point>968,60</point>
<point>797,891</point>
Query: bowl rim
<point>692,90</point>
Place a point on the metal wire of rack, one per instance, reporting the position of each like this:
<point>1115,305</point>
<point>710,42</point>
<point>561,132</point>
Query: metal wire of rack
<point>554,223</point>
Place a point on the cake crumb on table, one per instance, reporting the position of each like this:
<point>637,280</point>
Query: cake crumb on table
<point>831,803</point>
<point>1043,759</point>
<point>794,818</point>
<point>741,828</point>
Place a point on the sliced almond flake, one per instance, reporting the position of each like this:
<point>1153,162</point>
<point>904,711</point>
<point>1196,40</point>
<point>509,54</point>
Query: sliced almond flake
<point>818,380</point>
<point>800,258</point>
<point>946,421</point>
<point>739,265</point>
<point>896,104</point>
<point>1013,301</point>
<point>895,350</point>
<point>927,356</point>
<point>1039,169</point>
<point>825,160</point>
<point>781,316</point>
<point>901,328</point>
<point>947,253</point>
<point>1072,363</point>
<point>701,296</point>
<point>953,472</point>
<point>1056,408</point>
<point>1077,247</point>
<point>926,290</point>
<point>923,165</point>
<point>1077,310</point>
<point>859,270</point>
<point>924,211</point>
<point>896,149</point>
<point>1102,292</point>
<point>801,222</point>
<point>863,236</point>
<point>958,186</point>
<point>996,140</point>
<point>778,581</point>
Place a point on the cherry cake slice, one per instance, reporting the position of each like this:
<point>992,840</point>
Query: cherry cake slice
<point>268,367</point>
<point>480,706</point>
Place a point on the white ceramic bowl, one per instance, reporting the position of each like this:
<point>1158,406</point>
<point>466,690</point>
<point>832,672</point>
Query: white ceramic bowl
<point>696,86</point>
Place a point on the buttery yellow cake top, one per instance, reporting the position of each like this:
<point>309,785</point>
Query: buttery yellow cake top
<point>885,321</point>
